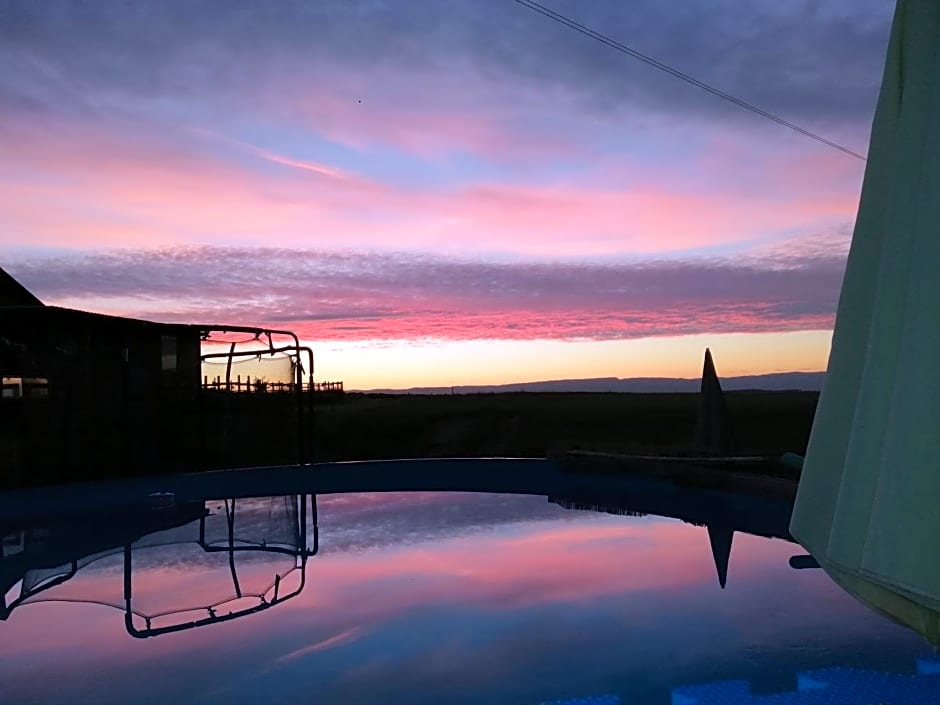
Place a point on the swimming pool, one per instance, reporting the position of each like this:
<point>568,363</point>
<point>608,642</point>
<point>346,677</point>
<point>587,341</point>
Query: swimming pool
<point>430,582</point>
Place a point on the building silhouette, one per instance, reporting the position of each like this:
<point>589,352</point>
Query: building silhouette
<point>87,395</point>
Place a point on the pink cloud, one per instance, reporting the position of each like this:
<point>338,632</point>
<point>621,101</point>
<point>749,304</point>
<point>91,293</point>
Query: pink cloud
<point>113,191</point>
<point>574,325</point>
<point>746,165</point>
<point>316,168</point>
<point>359,296</point>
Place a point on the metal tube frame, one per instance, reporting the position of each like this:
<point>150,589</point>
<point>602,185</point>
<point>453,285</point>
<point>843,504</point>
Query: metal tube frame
<point>304,453</point>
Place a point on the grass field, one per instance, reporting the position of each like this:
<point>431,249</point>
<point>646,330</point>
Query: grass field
<point>243,430</point>
<point>361,426</point>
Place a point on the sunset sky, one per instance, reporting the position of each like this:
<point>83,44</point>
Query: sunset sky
<point>437,193</point>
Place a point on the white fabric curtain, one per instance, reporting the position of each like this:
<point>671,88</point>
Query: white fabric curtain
<point>868,506</point>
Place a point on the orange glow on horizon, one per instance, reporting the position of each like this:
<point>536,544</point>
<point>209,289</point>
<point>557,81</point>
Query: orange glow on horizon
<point>402,364</point>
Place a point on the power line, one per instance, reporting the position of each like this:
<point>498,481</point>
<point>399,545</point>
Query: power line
<point>623,48</point>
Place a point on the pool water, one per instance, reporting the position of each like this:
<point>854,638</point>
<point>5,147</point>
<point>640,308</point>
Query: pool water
<point>434,597</point>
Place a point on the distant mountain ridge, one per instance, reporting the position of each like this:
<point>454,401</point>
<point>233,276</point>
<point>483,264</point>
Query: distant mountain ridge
<point>778,381</point>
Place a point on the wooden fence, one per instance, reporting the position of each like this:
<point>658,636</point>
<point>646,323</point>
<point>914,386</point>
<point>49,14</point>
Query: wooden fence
<point>328,386</point>
<point>262,386</point>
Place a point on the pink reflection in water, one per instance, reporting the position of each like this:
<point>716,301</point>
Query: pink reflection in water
<point>444,608</point>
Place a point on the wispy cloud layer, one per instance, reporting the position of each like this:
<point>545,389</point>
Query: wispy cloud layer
<point>202,187</point>
<point>354,295</point>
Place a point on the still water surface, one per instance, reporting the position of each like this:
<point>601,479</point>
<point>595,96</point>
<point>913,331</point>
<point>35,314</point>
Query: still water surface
<point>432,598</point>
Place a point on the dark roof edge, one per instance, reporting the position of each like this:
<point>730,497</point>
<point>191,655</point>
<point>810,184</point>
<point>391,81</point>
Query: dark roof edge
<point>12,293</point>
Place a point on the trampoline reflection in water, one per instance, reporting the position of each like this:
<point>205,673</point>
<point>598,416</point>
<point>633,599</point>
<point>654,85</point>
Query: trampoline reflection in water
<point>218,560</point>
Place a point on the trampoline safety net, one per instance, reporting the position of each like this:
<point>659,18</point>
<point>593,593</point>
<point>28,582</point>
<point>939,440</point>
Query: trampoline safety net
<point>259,368</point>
